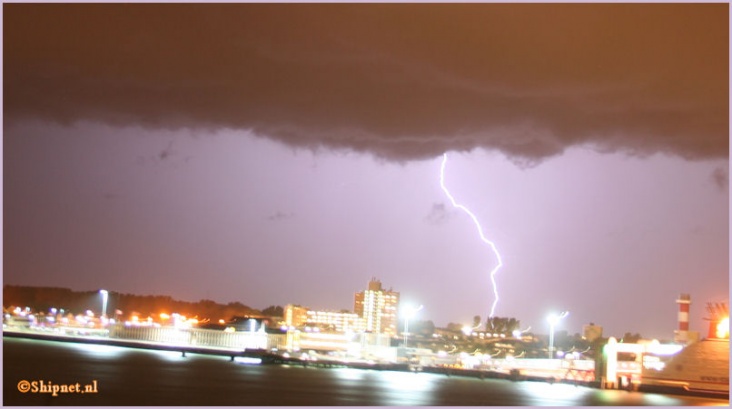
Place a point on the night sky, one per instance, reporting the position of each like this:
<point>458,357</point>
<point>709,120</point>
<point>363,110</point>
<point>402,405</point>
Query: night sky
<point>274,154</point>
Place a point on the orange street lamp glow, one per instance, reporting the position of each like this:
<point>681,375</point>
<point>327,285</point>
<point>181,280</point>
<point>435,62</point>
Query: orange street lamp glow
<point>723,328</point>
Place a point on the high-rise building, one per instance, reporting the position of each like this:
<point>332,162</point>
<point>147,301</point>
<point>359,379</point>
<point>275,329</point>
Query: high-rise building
<point>378,308</point>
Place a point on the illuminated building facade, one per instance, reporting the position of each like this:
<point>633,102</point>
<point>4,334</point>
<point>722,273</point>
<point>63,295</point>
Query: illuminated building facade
<point>297,316</point>
<point>336,321</point>
<point>378,308</point>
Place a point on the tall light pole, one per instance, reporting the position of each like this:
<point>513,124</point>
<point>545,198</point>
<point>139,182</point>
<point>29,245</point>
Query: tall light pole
<point>409,312</point>
<point>105,295</point>
<point>553,320</point>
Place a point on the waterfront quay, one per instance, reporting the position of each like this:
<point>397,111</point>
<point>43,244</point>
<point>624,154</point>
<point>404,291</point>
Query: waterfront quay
<point>141,376</point>
<point>517,371</point>
<point>364,351</point>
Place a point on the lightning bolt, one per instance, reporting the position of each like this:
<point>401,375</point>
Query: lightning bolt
<point>480,231</point>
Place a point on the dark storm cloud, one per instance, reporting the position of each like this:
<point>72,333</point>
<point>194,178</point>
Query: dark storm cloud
<point>402,81</point>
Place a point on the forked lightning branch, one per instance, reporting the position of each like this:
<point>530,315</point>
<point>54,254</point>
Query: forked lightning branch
<point>480,233</point>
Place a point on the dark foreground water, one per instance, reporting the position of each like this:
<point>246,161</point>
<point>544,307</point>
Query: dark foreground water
<point>125,376</point>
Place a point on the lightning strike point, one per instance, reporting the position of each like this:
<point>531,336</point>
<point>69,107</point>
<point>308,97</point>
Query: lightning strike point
<point>480,232</point>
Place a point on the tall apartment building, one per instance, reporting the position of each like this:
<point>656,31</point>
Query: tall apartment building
<point>378,308</point>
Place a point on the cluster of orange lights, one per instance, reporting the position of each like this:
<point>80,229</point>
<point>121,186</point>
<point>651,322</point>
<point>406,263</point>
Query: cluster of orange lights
<point>164,319</point>
<point>723,328</point>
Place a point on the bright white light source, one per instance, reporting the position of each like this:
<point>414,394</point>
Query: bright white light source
<point>723,328</point>
<point>247,360</point>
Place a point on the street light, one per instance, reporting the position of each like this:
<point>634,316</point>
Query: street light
<point>409,312</point>
<point>105,295</point>
<point>553,320</point>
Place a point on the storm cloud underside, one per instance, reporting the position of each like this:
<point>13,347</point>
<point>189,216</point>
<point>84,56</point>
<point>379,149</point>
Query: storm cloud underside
<point>400,81</point>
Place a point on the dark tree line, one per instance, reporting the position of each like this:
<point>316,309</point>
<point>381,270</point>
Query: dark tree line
<point>274,311</point>
<point>77,302</point>
<point>502,325</point>
<point>493,325</point>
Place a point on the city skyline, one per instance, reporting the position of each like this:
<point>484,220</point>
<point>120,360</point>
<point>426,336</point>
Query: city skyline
<point>296,316</point>
<point>276,154</point>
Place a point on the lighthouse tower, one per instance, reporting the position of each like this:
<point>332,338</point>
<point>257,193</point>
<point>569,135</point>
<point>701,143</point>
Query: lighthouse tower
<point>684,302</point>
<point>683,335</point>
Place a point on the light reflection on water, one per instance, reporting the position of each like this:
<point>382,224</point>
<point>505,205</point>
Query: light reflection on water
<point>406,388</point>
<point>545,394</point>
<point>99,351</point>
<point>349,374</point>
<point>409,381</point>
<point>387,388</point>
<point>653,399</point>
<point>666,400</point>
